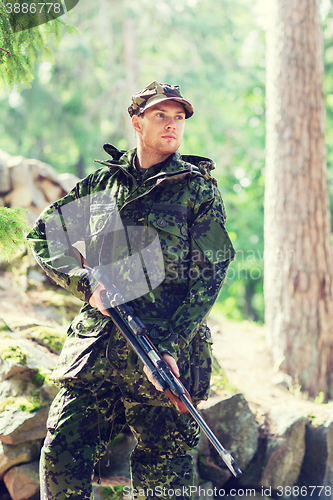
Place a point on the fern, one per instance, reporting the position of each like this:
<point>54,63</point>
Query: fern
<point>13,225</point>
<point>20,51</point>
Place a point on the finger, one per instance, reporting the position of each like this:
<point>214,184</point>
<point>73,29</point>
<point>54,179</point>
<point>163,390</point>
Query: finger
<point>96,300</point>
<point>100,304</point>
<point>170,360</point>
<point>151,378</point>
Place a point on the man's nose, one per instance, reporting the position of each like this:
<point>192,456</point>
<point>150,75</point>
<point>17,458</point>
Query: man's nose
<point>171,123</point>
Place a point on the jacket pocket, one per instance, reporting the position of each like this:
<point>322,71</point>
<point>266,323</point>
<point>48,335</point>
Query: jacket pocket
<point>82,363</point>
<point>104,218</point>
<point>195,364</point>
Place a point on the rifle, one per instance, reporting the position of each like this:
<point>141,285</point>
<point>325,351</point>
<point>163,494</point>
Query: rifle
<point>136,334</point>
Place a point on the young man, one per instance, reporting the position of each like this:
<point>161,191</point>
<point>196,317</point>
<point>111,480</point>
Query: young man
<point>154,220</point>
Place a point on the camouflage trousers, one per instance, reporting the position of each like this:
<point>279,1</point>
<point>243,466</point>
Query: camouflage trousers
<point>82,423</point>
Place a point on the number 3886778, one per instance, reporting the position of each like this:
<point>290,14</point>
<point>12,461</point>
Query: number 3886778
<point>33,8</point>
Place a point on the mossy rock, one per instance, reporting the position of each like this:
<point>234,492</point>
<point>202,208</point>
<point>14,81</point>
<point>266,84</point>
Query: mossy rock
<point>10,351</point>
<point>110,492</point>
<point>23,403</point>
<point>60,299</point>
<point>51,337</point>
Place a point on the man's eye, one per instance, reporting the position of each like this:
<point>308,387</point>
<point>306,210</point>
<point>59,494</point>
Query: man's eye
<point>180,117</point>
<point>160,115</point>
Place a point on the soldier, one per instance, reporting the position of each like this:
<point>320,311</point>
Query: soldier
<point>150,190</point>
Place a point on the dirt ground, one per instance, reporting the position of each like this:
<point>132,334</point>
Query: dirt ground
<point>242,351</point>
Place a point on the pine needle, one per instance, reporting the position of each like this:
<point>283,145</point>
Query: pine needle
<point>13,225</point>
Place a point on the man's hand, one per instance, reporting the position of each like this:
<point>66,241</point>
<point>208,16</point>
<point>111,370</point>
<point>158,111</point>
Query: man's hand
<point>96,301</point>
<point>172,365</point>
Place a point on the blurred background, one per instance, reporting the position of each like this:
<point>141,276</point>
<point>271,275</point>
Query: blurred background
<point>216,51</point>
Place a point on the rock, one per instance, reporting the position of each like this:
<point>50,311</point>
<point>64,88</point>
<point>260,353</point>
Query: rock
<point>252,474</point>
<point>18,426</point>
<point>20,174</point>
<point>235,426</point>
<point>20,454</point>
<point>19,197</point>
<point>12,387</point>
<point>31,184</point>
<point>46,171</point>
<point>328,478</point>
<point>120,451</point>
<point>67,181</point>
<point>29,356</point>
<point>37,276</point>
<point>22,482</point>
<point>49,391</point>
<point>282,380</point>
<point>51,190</point>
<point>9,369</point>
<point>285,448</point>
<point>5,184</point>
<point>315,457</point>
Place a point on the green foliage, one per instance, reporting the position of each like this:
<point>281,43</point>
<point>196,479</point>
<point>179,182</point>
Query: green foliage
<point>320,399</point>
<point>219,381</point>
<point>13,225</point>
<point>52,337</point>
<point>13,353</point>
<point>111,492</point>
<point>20,403</point>
<point>43,376</point>
<point>21,51</point>
<point>214,50</point>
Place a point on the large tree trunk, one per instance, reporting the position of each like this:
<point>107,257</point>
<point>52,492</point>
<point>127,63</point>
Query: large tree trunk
<point>298,255</point>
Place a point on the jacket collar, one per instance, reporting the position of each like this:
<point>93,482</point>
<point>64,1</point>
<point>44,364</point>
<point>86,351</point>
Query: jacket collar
<point>172,165</point>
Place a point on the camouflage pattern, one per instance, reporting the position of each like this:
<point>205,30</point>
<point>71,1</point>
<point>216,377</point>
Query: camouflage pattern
<point>157,92</point>
<point>82,424</point>
<point>98,371</point>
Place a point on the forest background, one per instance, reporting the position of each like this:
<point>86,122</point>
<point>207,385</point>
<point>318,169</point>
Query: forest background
<point>216,52</point>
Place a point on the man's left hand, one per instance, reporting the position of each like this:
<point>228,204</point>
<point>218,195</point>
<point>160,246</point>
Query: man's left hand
<point>171,362</point>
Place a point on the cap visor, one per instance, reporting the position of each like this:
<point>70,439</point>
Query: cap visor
<point>187,105</point>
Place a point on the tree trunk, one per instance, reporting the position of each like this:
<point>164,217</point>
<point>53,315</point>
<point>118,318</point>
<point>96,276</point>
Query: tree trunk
<point>298,255</point>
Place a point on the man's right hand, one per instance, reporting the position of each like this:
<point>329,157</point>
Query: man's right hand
<point>96,301</point>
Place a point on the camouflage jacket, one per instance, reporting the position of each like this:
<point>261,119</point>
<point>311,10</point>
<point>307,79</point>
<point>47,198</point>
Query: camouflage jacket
<point>177,200</point>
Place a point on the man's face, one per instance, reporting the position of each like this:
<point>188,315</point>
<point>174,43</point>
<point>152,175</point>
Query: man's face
<point>162,127</point>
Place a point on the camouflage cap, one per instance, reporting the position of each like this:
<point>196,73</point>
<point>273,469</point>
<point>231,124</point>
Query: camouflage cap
<point>157,92</point>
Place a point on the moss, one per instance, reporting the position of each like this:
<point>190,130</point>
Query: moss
<point>111,492</point>
<point>13,352</point>
<point>51,337</point>
<point>3,326</point>
<point>219,380</point>
<point>28,404</point>
<point>42,377</point>
<point>61,299</point>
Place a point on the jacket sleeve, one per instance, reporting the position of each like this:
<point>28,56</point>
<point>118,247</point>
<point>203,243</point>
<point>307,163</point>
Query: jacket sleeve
<point>51,239</point>
<point>210,255</point>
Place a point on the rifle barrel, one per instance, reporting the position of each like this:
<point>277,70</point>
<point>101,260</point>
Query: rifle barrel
<point>226,457</point>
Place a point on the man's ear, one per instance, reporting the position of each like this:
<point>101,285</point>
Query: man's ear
<point>136,123</point>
